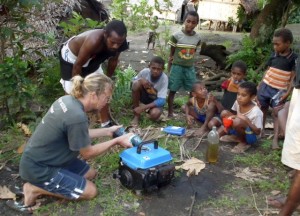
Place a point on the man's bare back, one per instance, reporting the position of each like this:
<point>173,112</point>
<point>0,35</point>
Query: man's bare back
<point>93,37</point>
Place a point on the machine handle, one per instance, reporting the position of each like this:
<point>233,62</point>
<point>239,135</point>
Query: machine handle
<point>139,148</point>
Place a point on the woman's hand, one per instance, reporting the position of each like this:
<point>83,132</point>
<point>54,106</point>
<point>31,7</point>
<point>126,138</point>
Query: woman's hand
<point>112,129</point>
<point>124,140</point>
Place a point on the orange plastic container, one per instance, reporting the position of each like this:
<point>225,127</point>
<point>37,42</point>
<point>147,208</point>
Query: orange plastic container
<point>227,122</point>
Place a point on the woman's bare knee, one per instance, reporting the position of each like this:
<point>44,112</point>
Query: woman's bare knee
<point>90,191</point>
<point>91,174</point>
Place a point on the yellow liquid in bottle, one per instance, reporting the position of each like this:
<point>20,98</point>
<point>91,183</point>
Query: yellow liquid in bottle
<point>212,153</point>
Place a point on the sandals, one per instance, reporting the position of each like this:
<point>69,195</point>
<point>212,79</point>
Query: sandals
<point>17,190</point>
<point>240,148</point>
<point>20,207</point>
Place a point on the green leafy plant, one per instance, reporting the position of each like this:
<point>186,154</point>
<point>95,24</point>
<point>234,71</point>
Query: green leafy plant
<point>227,44</point>
<point>254,76</point>
<point>136,20</point>
<point>262,3</point>
<point>163,49</point>
<point>19,59</point>
<point>135,16</point>
<point>294,16</point>
<point>17,89</point>
<point>48,80</point>
<point>249,53</point>
<point>78,24</point>
<point>122,92</point>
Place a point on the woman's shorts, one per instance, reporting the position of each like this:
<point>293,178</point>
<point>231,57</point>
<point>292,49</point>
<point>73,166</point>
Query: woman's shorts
<point>69,181</point>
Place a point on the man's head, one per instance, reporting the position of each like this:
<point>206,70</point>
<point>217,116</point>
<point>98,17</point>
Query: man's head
<point>282,40</point>
<point>246,93</point>
<point>191,20</point>
<point>238,71</point>
<point>115,34</point>
<point>156,67</point>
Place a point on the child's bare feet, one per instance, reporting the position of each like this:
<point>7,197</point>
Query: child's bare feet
<point>281,136</point>
<point>278,201</point>
<point>275,145</point>
<point>229,138</point>
<point>201,131</point>
<point>135,121</point>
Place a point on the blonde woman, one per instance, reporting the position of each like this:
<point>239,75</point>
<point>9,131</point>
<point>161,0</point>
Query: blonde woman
<point>50,163</point>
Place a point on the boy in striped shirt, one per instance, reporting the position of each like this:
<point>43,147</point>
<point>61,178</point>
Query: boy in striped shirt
<point>184,44</point>
<point>276,84</point>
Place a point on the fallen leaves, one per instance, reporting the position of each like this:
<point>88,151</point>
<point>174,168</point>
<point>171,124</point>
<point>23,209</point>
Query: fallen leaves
<point>275,192</point>
<point>249,175</point>
<point>5,193</point>
<point>193,166</point>
<point>2,165</point>
<point>24,128</point>
<point>21,148</point>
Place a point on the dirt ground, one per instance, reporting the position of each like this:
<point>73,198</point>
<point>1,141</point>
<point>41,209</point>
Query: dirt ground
<point>184,195</point>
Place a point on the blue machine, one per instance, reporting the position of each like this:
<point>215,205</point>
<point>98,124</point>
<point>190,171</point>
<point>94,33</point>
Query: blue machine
<point>145,166</point>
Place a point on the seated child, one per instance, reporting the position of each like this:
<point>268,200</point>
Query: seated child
<point>247,123</point>
<point>200,107</point>
<point>150,87</point>
<point>230,86</point>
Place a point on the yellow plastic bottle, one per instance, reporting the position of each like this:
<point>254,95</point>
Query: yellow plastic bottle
<point>212,153</point>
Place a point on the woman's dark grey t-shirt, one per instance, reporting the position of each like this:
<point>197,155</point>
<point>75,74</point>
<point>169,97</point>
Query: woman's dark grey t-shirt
<point>56,141</point>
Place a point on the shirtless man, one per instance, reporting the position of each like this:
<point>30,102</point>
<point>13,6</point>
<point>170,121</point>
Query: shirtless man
<point>84,53</point>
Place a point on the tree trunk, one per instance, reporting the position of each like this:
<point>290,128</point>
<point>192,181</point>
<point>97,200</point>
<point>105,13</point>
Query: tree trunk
<point>267,21</point>
<point>250,6</point>
<point>285,16</point>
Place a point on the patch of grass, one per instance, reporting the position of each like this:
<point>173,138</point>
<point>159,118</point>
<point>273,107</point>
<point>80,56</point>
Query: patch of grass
<point>279,183</point>
<point>260,159</point>
<point>106,164</point>
<point>171,144</point>
<point>180,101</point>
<point>175,122</point>
<point>115,199</point>
<point>227,202</point>
<point>11,139</point>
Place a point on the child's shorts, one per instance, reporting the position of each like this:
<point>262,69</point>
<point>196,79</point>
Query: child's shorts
<point>265,94</point>
<point>250,137</point>
<point>146,98</point>
<point>201,117</point>
<point>181,77</point>
<point>69,181</point>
